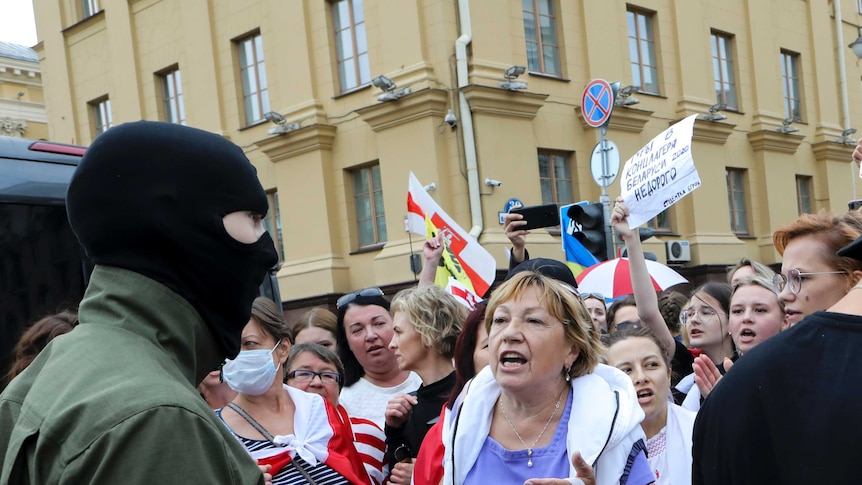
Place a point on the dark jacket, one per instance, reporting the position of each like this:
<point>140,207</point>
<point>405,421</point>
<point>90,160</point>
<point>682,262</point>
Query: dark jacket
<point>425,413</point>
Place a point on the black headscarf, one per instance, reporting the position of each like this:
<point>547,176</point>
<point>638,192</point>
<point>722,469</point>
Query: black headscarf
<point>150,197</point>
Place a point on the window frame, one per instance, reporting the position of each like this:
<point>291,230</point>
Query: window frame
<point>172,77</point>
<point>360,59</point>
<point>272,222</point>
<point>260,93</point>
<point>100,109</point>
<point>806,181</point>
<point>735,187</point>
<point>791,59</point>
<point>654,88</point>
<point>539,39</point>
<point>553,178</point>
<point>89,8</point>
<point>722,65</point>
<point>375,218</point>
<point>656,222</point>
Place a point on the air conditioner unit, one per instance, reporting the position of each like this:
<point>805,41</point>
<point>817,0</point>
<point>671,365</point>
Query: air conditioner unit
<point>678,251</point>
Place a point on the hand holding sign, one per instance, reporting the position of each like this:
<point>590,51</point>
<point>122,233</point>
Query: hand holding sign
<point>660,174</point>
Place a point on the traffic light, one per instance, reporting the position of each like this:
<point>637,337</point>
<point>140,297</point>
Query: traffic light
<point>591,221</point>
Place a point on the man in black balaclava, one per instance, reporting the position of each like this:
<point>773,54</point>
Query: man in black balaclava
<point>171,217</point>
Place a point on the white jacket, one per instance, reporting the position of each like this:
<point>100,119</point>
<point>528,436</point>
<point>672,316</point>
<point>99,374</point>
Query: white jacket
<point>604,424</point>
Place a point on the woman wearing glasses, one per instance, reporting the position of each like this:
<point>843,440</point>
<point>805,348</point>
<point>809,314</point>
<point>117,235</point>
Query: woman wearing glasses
<point>813,277</point>
<point>299,435</point>
<point>371,373</point>
<point>317,369</point>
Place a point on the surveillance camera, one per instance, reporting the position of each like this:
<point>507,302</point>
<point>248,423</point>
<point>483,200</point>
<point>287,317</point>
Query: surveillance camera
<point>450,119</point>
<point>493,183</point>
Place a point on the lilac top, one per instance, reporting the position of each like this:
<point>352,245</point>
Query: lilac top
<point>501,465</point>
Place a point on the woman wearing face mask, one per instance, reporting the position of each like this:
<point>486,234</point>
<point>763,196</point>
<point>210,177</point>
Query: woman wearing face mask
<point>300,435</point>
<point>813,277</point>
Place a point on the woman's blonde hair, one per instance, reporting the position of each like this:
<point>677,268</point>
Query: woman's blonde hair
<point>436,316</point>
<point>757,281</point>
<point>564,305</point>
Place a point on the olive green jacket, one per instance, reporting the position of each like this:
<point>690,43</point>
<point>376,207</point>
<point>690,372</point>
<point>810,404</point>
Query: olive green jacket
<point>115,400</point>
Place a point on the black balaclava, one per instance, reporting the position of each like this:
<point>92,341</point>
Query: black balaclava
<point>149,197</point>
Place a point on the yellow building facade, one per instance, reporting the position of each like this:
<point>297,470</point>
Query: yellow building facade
<point>22,103</point>
<point>776,90</point>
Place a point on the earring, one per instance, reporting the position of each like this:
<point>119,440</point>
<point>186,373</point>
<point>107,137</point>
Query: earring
<point>569,372</point>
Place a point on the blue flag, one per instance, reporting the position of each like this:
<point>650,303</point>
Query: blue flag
<point>578,258</point>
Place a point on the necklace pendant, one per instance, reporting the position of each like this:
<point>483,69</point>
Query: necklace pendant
<point>529,458</point>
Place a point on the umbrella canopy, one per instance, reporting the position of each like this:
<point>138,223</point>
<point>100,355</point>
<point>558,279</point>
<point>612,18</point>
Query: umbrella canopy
<point>611,278</point>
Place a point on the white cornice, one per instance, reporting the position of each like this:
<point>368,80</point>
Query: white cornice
<point>17,110</point>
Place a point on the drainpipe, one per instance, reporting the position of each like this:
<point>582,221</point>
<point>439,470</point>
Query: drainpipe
<point>842,83</point>
<point>466,120</point>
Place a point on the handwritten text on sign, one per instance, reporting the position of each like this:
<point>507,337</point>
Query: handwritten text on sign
<point>660,174</point>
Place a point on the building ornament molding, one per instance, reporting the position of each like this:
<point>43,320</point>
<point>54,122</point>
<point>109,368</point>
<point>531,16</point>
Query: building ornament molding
<point>773,141</point>
<point>12,127</point>
<point>294,143</point>
<point>427,102</point>
<point>503,102</point>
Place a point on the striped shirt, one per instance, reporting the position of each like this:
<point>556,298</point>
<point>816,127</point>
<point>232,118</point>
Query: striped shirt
<point>289,475</point>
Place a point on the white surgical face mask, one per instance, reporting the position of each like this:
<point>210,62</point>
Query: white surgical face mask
<point>252,372</point>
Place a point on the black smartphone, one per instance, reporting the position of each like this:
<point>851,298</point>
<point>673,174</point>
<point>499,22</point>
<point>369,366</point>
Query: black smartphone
<point>854,204</point>
<point>546,215</point>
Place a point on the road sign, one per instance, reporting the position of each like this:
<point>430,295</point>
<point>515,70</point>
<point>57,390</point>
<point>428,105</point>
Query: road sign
<point>597,102</point>
<point>607,176</point>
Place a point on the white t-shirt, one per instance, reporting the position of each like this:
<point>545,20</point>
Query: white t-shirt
<point>366,400</point>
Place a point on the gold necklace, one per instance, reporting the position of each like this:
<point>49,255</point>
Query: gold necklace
<point>530,448</point>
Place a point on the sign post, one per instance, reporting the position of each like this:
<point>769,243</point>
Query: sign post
<point>597,104</point>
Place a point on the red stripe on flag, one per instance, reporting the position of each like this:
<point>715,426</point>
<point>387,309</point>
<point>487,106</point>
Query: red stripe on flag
<point>413,207</point>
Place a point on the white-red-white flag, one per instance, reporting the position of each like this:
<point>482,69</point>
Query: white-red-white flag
<point>464,258</point>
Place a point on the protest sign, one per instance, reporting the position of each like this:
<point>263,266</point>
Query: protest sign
<point>660,174</point>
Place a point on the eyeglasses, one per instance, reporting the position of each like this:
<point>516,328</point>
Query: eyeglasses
<point>587,296</point>
<point>794,279</point>
<point>305,375</point>
<point>705,314</point>
<point>350,297</point>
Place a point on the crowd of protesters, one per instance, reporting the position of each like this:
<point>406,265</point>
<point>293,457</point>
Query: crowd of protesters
<point>159,378</point>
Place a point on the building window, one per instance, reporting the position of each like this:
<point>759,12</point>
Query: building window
<point>736,200</point>
<point>791,85</point>
<point>350,44</point>
<point>252,70</point>
<point>555,177</point>
<point>368,198</point>
<point>89,8</point>
<point>101,113</point>
<point>173,109</point>
<point>661,222</point>
<point>272,223</point>
<point>722,68</point>
<point>540,29</point>
<point>642,50</point>
<point>803,194</point>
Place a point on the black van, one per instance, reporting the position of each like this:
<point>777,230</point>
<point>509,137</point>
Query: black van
<point>42,267</point>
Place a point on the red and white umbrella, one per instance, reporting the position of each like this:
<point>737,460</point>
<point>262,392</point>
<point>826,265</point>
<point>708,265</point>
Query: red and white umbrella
<point>611,278</point>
